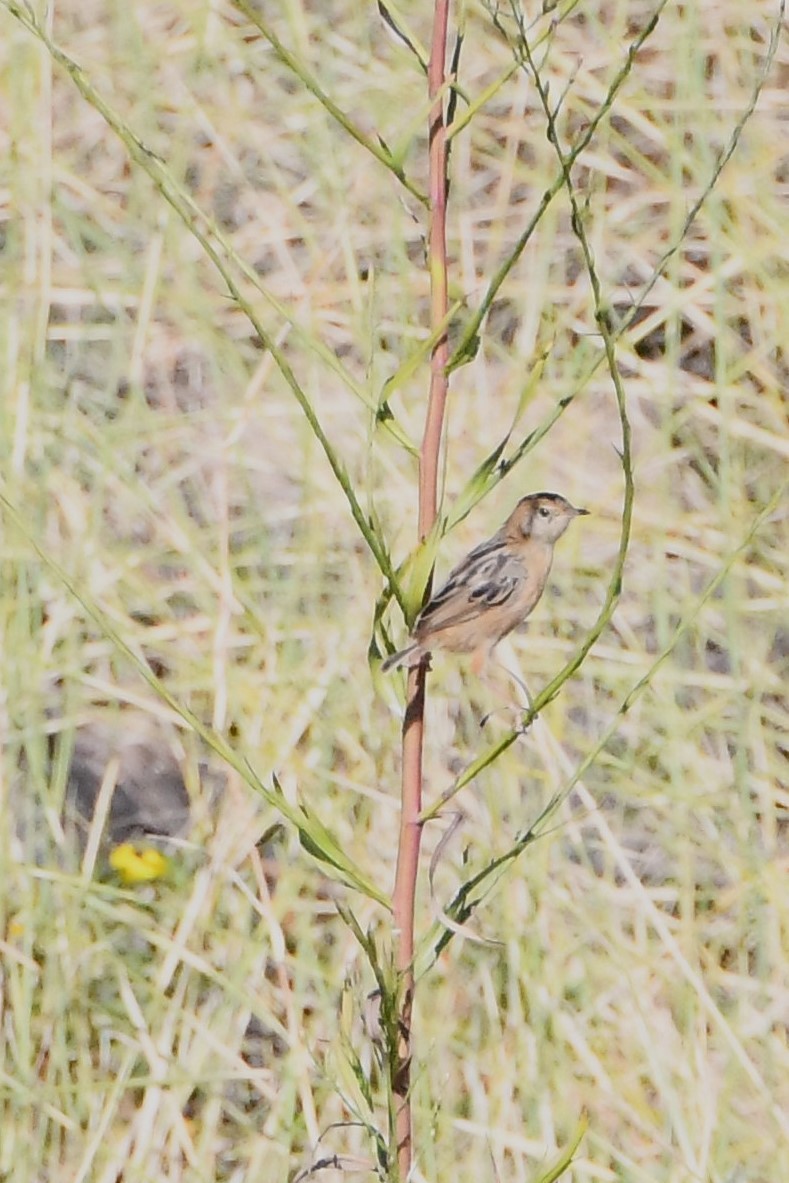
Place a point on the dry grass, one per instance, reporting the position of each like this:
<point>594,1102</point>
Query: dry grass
<point>636,966</point>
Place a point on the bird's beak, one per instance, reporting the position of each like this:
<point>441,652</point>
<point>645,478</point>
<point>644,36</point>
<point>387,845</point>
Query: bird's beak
<point>581,513</point>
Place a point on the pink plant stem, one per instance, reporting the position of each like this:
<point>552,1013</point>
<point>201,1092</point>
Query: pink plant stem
<point>404,895</point>
<point>437,261</point>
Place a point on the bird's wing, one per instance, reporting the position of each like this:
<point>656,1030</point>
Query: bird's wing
<point>487,578</point>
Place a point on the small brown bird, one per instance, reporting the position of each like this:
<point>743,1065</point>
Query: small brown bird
<point>494,588</point>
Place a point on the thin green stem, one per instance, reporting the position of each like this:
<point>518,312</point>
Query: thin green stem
<point>381,154</point>
<point>404,894</point>
<point>220,253</point>
<point>314,835</point>
<point>467,898</point>
<point>611,336</point>
<point>466,347</point>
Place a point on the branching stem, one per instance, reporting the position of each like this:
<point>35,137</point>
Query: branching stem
<point>404,895</point>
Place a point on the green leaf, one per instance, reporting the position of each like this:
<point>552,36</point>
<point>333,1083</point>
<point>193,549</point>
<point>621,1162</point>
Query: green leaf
<point>530,386</point>
<point>418,568</point>
<point>562,1163</point>
<point>477,486</point>
<point>465,353</point>
<point>486,476</point>
<point>418,357</point>
<point>397,24</point>
<point>384,417</point>
<point>321,844</point>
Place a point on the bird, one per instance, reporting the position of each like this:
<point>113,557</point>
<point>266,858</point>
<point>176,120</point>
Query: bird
<point>494,587</point>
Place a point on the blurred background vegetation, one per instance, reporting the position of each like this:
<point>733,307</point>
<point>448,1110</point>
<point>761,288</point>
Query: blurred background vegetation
<point>633,964</point>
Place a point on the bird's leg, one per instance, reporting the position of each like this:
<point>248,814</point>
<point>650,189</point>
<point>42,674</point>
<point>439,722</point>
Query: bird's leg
<point>516,710</point>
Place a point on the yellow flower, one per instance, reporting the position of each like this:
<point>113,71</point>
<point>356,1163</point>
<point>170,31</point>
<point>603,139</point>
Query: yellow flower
<point>138,864</point>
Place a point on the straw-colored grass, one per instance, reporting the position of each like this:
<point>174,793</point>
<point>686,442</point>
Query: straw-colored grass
<point>633,964</point>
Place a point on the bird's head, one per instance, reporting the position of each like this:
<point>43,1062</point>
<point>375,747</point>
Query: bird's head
<point>542,516</point>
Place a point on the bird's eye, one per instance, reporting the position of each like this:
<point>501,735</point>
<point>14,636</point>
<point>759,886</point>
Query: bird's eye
<point>544,512</point>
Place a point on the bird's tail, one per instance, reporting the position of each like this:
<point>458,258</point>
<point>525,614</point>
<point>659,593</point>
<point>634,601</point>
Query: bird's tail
<point>409,656</point>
